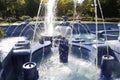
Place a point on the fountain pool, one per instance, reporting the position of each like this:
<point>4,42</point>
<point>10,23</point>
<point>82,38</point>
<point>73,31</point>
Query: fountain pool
<point>75,69</point>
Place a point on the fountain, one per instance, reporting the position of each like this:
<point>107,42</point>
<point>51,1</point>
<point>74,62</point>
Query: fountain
<point>54,56</point>
<point>68,67</point>
<point>74,68</point>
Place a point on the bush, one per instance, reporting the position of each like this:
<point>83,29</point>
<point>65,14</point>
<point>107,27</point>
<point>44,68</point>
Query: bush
<point>24,17</point>
<point>70,13</point>
<point>86,19</point>
<point>1,33</point>
<point>1,19</point>
<point>112,19</point>
<point>11,19</point>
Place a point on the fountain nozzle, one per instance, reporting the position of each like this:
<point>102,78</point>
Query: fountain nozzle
<point>30,71</point>
<point>106,67</point>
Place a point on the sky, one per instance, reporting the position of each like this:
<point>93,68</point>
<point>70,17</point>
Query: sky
<point>80,1</point>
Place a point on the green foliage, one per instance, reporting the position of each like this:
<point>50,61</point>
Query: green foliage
<point>85,7</point>
<point>24,17</point>
<point>110,8</point>
<point>21,2</point>
<point>70,13</point>
<point>32,7</point>
<point>2,5</point>
<point>64,7</point>
<point>1,33</point>
<point>17,8</point>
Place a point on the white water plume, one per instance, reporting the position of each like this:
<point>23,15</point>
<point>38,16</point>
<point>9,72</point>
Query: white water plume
<point>50,16</point>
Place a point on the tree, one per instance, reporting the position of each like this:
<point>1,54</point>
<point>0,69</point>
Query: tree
<point>32,7</point>
<point>11,8</point>
<point>118,7</point>
<point>2,8</point>
<point>65,7</point>
<point>17,8</point>
<point>110,8</point>
<point>84,8</point>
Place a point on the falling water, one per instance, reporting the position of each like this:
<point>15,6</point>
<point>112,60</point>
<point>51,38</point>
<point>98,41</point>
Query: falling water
<point>50,16</point>
<point>36,25</point>
<point>76,69</point>
<point>96,17</point>
<point>103,24</point>
<point>75,12</point>
<point>10,25</point>
<point>13,30</point>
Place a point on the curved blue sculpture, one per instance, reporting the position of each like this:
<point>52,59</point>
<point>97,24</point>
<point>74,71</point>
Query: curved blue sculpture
<point>65,21</point>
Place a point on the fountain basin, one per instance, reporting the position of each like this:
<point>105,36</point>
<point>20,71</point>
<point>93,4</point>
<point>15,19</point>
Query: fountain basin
<point>78,40</point>
<point>39,48</point>
<point>14,56</point>
<point>7,44</point>
<point>6,47</point>
<point>23,42</point>
<point>110,36</point>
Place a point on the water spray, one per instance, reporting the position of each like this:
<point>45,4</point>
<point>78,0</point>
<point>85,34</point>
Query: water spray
<point>107,60</point>
<point>75,12</point>
<point>119,32</point>
<point>30,68</point>
<point>96,17</point>
<point>104,26</point>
